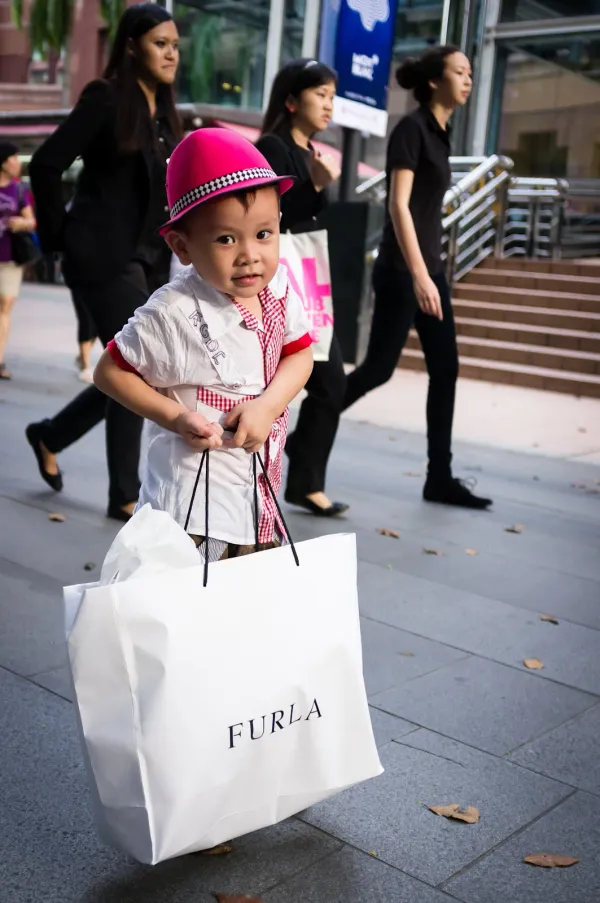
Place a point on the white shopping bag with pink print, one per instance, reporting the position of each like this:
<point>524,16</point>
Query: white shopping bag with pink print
<point>306,256</point>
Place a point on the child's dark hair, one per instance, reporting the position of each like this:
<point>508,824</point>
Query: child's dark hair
<point>246,197</point>
<point>291,81</point>
<point>415,73</point>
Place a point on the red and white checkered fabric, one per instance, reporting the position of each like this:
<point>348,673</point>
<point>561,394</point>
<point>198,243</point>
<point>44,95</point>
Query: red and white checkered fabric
<point>271,342</point>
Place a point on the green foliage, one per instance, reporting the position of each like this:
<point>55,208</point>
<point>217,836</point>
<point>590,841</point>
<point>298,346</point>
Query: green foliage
<point>203,40</point>
<point>49,23</point>
<point>111,11</point>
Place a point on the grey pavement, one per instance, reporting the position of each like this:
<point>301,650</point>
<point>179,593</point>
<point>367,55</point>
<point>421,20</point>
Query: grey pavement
<point>457,716</point>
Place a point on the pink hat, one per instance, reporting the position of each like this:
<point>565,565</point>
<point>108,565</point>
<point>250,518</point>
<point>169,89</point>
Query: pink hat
<point>212,162</point>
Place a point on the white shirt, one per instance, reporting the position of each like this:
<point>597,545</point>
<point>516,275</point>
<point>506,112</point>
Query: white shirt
<point>189,341</point>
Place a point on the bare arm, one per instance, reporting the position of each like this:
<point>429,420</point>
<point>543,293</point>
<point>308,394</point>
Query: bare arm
<point>133,393</point>
<point>401,186</point>
<point>253,420</point>
<point>24,222</point>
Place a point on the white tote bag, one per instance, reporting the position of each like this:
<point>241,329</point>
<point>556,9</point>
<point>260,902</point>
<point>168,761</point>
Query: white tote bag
<point>306,256</point>
<point>207,713</point>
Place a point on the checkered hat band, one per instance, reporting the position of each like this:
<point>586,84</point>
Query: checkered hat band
<point>232,178</point>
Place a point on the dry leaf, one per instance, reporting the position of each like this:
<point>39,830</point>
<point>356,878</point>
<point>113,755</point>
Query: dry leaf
<point>222,849</point>
<point>551,619</point>
<point>412,473</point>
<point>581,429</point>
<point>470,815</point>
<point>383,531</point>
<point>407,654</point>
<point>373,853</point>
<point>238,898</point>
<point>534,664</point>
<point>57,518</point>
<point>593,491</point>
<point>515,528</point>
<point>89,566</point>
<point>550,860</point>
<point>433,552</point>
<point>471,552</point>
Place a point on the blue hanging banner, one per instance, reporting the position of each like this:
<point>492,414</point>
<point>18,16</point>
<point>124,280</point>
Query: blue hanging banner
<point>357,39</point>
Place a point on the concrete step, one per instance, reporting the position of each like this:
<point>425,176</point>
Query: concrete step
<point>573,339</point>
<point>505,294</point>
<point>514,374</point>
<point>521,353</point>
<point>586,268</point>
<point>540,317</point>
<point>544,282</point>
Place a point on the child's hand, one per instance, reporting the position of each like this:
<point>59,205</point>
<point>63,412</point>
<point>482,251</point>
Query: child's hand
<point>252,422</point>
<point>198,432</point>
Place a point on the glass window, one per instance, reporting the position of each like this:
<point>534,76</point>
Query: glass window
<point>550,112</point>
<point>293,30</point>
<point>526,10</point>
<point>222,51</point>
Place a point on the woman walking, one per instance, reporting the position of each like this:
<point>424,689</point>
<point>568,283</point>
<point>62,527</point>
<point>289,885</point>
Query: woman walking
<point>124,127</point>
<point>301,104</point>
<point>16,215</point>
<point>408,278</point>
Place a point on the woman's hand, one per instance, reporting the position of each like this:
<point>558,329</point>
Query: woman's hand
<point>252,422</point>
<point>20,224</point>
<point>323,170</point>
<point>198,432</point>
<point>428,296</point>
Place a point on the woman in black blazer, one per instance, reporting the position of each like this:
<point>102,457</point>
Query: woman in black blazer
<point>124,128</point>
<point>301,104</point>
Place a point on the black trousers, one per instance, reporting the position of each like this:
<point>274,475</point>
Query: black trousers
<point>309,446</point>
<point>86,328</point>
<point>110,305</point>
<point>396,310</point>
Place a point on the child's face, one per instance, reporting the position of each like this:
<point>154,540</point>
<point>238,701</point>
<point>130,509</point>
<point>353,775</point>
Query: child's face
<point>236,250</point>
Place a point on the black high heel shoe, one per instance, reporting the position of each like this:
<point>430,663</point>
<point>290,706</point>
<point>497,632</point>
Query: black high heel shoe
<point>336,509</point>
<point>35,438</point>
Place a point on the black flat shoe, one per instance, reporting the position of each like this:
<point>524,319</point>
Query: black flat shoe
<point>34,437</point>
<point>117,513</point>
<point>451,491</point>
<point>334,510</point>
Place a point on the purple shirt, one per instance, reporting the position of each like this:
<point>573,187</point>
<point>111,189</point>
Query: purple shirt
<point>9,207</point>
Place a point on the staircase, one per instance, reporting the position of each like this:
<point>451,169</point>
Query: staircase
<point>528,323</point>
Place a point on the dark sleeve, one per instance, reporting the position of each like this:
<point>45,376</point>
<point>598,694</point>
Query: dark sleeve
<point>405,144</point>
<point>71,139</point>
<point>302,201</point>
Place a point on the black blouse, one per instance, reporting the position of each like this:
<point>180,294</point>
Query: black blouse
<point>301,204</point>
<point>420,144</point>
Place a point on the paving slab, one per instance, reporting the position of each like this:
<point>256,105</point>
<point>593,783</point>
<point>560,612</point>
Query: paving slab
<point>572,828</point>
<point>353,877</point>
<point>485,627</point>
<point>57,680</point>
<point>392,656</point>
<point>569,753</point>
<point>31,638</point>
<point>517,583</point>
<point>483,704</point>
<point>388,815</point>
<point>61,550</point>
<point>387,727</point>
<point>49,847</point>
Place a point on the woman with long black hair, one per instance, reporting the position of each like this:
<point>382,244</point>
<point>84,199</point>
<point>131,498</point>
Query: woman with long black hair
<point>124,127</point>
<point>408,278</point>
<point>300,105</point>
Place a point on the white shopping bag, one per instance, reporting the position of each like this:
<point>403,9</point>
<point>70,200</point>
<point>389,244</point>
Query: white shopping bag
<point>206,713</point>
<point>306,256</point>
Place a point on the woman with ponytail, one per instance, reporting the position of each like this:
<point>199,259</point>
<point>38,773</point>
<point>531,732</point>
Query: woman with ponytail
<point>408,278</point>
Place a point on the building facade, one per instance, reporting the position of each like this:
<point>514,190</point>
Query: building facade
<point>536,63</point>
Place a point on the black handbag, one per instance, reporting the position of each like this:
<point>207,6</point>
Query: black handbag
<point>25,249</point>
